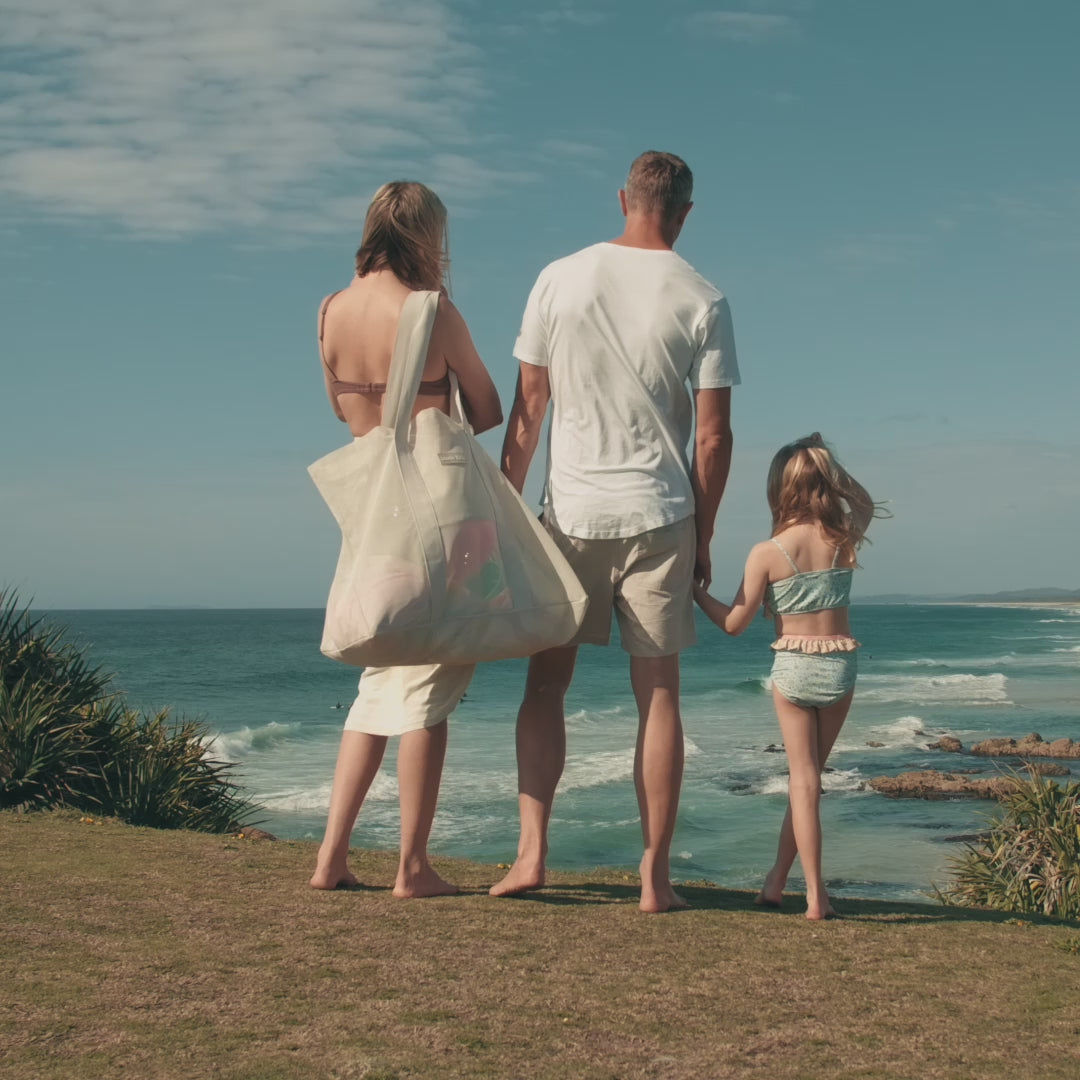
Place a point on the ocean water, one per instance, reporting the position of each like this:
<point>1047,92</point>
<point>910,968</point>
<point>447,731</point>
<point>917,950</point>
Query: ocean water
<point>276,706</point>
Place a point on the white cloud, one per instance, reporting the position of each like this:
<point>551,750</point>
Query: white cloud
<point>175,116</point>
<point>745,26</point>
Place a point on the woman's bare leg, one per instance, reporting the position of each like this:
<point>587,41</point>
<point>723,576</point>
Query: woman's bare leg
<point>809,735</point>
<point>420,765</point>
<point>358,761</point>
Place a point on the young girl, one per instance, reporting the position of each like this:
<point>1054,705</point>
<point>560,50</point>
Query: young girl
<point>803,574</point>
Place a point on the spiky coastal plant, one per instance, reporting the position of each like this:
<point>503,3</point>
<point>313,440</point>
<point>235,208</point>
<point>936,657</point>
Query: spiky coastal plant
<point>67,740</point>
<point>1030,860</point>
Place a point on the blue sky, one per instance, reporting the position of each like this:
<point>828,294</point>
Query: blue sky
<point>889,195</point>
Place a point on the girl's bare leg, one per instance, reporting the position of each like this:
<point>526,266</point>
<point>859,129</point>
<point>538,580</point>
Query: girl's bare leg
<point>358,761</point>
<point>772,892</point>
<point>809,735</point>
<point>420,765</point>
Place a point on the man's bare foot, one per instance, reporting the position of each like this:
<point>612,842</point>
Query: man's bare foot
<point>655,901</point>
<point>524,875</point>
<point>816,914</point>
<point>333,877</point>
<point>657,895</point>
<point>424,881</point>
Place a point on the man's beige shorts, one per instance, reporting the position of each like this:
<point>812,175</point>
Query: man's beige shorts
<point>648,579</point>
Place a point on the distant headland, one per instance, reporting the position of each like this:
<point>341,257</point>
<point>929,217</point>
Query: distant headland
<point>1017,596</point>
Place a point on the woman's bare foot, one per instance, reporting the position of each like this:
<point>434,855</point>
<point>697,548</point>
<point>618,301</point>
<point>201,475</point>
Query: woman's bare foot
<point>416,882</point>
<point>333,877</point>
<point>524,875</point>
<point>817,913</point>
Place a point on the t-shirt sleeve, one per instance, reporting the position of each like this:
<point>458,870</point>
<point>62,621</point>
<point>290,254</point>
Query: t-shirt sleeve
<point>531,346</point>
<point>716,364</point>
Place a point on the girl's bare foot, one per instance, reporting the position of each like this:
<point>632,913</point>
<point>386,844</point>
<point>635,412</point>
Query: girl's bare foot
<point>772,892</point>
<point>524,875</point>
<point>333,877</point>
<point>416,882</point>
<point>818,907</point>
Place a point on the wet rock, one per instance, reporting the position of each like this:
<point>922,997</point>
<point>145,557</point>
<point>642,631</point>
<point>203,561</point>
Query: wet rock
<point>931,784</point>
<point>1032,745</point>
<point>772,748</point>
<point>1046,768</point>
<point>875,744</point>
<point>947,743</point>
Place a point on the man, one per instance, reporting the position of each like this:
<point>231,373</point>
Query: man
<point>611,336</point>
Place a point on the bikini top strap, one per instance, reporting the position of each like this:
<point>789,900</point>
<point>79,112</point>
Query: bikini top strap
<point>322,327</point>
<point>790,560</point>
<point>836,556</point>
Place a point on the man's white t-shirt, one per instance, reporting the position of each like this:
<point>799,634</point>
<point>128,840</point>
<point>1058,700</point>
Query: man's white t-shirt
<point>622,331</point>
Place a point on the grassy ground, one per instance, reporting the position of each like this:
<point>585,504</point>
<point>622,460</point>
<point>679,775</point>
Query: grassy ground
<point>136,953</point>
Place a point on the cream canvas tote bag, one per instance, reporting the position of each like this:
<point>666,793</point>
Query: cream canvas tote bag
<point>441,560</point>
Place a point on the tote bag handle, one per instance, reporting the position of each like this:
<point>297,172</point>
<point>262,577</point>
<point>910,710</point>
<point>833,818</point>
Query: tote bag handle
<point>414,328</point>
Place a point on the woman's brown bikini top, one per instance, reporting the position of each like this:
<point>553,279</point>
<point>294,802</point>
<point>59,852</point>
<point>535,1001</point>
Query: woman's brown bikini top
<point>435,387</point>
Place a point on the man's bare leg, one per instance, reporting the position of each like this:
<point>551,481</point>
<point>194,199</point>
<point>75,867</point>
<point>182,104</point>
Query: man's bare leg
<point>541,755</point>
<point>658,769</point>
<point>420,764</point>
<point>358,761</point>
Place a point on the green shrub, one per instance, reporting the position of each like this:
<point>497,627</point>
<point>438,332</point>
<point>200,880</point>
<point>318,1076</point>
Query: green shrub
<point>159,775</point>
<point>1030,860</point>
<point>67,740</point>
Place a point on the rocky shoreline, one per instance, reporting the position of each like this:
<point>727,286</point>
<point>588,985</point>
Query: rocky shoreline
<point>962,783</point>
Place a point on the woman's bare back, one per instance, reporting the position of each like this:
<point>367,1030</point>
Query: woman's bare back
<point>358,327</point>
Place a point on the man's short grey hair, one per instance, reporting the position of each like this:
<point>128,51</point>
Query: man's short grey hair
<point>659,183</point>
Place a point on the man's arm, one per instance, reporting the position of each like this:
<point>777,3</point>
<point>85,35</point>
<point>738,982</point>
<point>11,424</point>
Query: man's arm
<point>709,471</point>
<point>526,419</point>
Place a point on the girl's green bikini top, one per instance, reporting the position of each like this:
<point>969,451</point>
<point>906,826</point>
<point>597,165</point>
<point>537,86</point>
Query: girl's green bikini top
<point>809,590</point>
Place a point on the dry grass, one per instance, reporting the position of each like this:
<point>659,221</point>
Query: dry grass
<point>136,953</point>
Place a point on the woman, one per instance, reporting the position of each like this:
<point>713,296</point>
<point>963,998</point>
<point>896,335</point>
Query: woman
<point>403,250</point>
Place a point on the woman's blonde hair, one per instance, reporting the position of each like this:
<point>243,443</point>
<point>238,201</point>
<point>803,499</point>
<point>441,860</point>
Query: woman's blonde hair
<point>808,485</point>
<point>405,233</point>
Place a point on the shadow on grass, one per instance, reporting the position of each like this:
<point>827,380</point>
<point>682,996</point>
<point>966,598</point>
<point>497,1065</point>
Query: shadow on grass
<point>707,897</point>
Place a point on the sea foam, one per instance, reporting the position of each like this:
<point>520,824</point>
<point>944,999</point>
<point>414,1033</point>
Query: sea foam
<point>237,745</point>
<point>837,780</point>
<point>965,689</point>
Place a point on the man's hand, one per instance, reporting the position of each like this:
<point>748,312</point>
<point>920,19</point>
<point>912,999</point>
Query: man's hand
<point>703,565</point>
<point>526,418</point>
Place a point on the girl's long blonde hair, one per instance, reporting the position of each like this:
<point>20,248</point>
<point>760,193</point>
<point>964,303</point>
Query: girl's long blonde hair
<point>807,485</point>
<point>405,233</point>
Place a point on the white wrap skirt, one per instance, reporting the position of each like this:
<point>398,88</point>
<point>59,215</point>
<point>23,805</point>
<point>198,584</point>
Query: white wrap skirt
<point>394,700</point>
